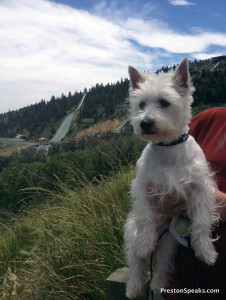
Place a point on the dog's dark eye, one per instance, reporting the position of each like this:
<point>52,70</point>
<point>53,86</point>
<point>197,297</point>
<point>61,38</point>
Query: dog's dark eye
<point>142,105</point>
<point>163,103</point>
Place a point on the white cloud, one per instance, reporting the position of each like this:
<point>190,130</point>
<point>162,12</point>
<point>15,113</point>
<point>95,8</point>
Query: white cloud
<point>155,34</point>
<point>49,49</point>
<point>181,2</point>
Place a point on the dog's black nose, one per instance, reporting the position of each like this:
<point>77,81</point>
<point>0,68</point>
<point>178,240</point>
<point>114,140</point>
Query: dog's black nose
<point>146,125</point>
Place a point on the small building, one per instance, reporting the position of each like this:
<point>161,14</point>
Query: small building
<point>20,137</point>
<point>43,141</point>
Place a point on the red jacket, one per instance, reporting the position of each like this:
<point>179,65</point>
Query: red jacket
<point>209,130</point>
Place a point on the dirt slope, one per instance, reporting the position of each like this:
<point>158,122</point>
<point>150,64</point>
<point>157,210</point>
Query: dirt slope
<point>100,127</point>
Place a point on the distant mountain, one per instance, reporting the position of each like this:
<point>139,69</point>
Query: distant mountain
<point>104,102</point>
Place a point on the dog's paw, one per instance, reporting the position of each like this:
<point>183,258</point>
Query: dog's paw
<point>209,259</point>
<point>208,255</point>
<point>157,283</point>
<point>133,289</point>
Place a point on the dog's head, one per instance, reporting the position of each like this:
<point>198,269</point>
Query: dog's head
<point>161,103</point>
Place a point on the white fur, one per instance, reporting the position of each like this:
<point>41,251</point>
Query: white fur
<point>180,171</point>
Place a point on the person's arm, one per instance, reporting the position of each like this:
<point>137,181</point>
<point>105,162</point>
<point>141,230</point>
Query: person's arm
<point>172,209</point>
<point>221,202</point>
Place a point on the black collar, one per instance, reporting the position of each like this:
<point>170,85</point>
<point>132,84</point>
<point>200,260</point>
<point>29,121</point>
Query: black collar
<point>180,140</point>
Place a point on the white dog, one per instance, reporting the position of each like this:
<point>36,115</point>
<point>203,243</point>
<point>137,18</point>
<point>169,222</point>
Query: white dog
<point>171,165</point>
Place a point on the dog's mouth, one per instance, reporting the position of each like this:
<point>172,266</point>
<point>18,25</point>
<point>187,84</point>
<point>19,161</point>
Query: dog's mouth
<point>149,135</point>
<point>149,132</point>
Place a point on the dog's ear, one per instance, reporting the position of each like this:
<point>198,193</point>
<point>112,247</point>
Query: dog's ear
<point>182,76</point>
<point>135,77</point>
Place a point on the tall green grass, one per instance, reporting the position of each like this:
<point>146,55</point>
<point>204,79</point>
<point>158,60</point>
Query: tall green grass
<point>67,247</point>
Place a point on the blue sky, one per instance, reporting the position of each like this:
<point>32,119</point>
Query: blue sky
<point>50,47</point>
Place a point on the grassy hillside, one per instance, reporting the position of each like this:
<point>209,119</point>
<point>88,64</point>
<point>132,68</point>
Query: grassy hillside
<point>65,249</point>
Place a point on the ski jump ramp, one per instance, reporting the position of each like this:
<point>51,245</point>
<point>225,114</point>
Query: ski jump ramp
<point>63,129</point>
